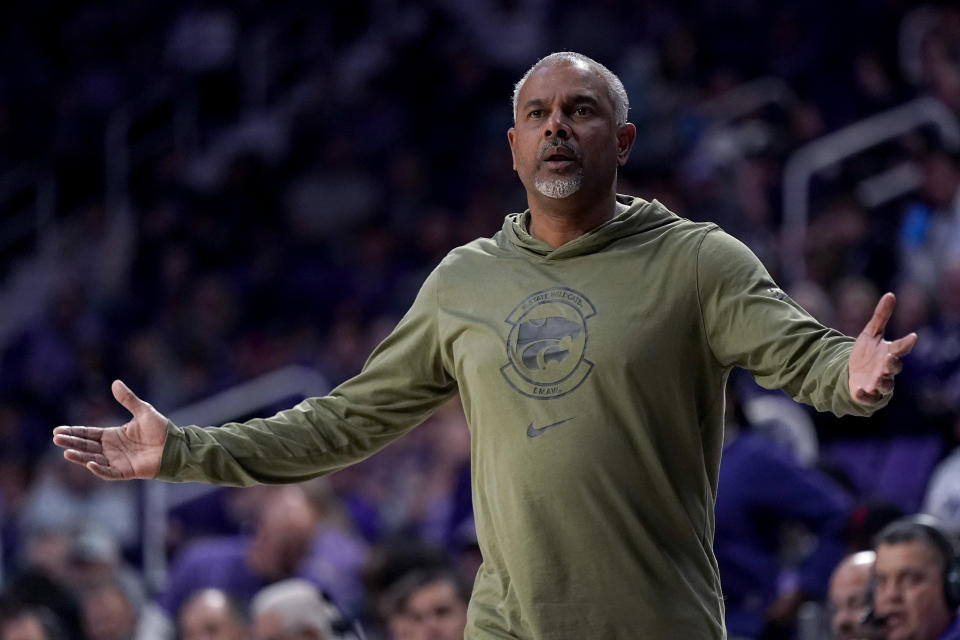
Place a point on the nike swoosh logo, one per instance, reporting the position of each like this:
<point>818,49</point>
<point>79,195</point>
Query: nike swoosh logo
<point>533,432</point>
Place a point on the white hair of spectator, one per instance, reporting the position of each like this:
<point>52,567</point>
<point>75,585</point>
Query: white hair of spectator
<point>299,604</point>
<point>618,95</point>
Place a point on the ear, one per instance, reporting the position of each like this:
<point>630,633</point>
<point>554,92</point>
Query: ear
<point>511,138</point>
<point>626,134</point>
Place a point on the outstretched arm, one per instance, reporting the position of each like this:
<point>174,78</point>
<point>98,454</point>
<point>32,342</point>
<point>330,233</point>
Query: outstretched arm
<point>874,362</point>
<point>132,450</point>
<point>404,380</point>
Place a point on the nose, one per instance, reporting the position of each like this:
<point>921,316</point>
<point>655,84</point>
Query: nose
<point>557,126</point>
<point>885,597</point>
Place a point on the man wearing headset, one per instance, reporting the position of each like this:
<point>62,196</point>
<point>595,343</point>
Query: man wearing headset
<point>917,581</point>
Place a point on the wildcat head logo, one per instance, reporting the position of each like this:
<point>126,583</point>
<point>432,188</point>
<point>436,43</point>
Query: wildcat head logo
<point>547,343</point>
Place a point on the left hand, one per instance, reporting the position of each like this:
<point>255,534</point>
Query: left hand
<point>874,361</point>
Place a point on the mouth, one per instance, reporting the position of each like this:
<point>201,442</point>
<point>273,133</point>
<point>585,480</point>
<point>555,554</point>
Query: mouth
<point>894,619</point>
<point>558,157</point>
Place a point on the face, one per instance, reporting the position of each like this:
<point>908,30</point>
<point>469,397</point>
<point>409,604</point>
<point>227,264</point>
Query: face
<point>909,591</point>
<point>270,626</point>
<point>107,614</point>
<point>436,612</point>
<point>285,529</point>
<point>208,617</point>
<point>566,141</point>
<point>24,627</point>
<point>848,602</point>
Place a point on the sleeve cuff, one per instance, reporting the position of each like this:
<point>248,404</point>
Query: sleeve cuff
<point>172,459</point>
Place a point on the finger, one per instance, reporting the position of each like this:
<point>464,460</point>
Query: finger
<point>81,457</point>
<point>127,398</point>
<point>885,385</point>
<point>103,472</point>
<point>904,345</point>
<point>881,315</point>
<point>865,397</point>
<point>87,433</point>
<point>80,444</point>
<point>894,365</point>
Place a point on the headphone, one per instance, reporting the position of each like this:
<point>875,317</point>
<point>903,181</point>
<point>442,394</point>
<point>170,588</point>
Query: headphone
<point>932,532</point>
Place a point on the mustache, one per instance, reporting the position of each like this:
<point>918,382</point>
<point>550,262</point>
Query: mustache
<point>548,147</point>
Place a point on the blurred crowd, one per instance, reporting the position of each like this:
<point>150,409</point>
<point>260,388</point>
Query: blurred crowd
<point>302,170</point>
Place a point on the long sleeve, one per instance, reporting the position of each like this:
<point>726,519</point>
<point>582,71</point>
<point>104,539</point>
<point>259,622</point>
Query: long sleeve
<point>751,323</point>
<point>403,381</point>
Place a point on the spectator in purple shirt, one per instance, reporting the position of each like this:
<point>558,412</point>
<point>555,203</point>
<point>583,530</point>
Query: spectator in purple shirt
<point>760,488</point>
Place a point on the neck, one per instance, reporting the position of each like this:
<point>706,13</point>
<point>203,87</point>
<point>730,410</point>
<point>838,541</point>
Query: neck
<point>558,221</point>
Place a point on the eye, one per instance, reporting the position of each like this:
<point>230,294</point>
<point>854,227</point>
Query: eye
<point>535,113</point>
<point>583,110</point>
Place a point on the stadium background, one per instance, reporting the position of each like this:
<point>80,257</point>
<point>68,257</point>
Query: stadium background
<point>197,194</point>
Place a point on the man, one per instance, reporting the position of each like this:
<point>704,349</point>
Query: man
<point>210,614</point>
<point>917,581</point>
<point>590,341</point>
<point>428,605</point>
<point>289,539</point>
<point>26,622</point>
<point>110,609</point>
<point>848,598</point>
<point>761,483</point>
<point>292,610</point>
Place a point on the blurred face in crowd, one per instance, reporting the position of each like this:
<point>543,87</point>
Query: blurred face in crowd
<point>909,591</point>
<point>270,626</point>
<point>848,598</point>
<point>436,612</point>
<point>23,627</point>
<point>402,626</point>
<point>566,141</point>
<point>107,614</point>
<point>284,533</point>
<point>209,616</point>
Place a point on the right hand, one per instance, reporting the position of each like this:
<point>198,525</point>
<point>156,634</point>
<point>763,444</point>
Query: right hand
<point>132,450</point>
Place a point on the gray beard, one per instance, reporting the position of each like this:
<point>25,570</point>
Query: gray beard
<point>559,186</point>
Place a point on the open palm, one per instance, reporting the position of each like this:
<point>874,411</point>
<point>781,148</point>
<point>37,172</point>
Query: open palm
<point>874,362</point>
<point>132,450</point>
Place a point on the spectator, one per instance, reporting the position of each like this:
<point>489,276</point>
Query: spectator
<point>428,605</point>
<point>943,493</point>
<point>759,488</point>
<point>20,622</point>
<point>917,581</point>
<point>930,230</point>
<point>848,598</point>
<point>110,610</point>
<point>210,614</point>
<point>293,610</point>
<point>62,499</point>
<point>291,539</point>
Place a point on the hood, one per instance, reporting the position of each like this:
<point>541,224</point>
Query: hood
<point>640,216</point>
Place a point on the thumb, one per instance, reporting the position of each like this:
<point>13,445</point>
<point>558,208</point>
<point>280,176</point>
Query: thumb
<point>127,398</point>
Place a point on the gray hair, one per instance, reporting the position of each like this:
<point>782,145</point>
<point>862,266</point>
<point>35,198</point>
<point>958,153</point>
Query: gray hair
<point>299,604</point>
<point>618,95</point>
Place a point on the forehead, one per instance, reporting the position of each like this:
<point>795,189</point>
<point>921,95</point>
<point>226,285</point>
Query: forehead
<point>915,554</point>
<point>560,78</point>
<point>432,594</point>
<point>849,578</point>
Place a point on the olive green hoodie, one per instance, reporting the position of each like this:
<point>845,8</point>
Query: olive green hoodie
<point>592,377</point>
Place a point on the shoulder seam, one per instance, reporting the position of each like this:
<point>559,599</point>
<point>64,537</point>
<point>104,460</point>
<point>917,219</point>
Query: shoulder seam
<point>436,318</point>
<point>703,323</point>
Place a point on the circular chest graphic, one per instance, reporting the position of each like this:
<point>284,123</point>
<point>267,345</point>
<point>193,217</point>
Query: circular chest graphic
<point>547,343</point>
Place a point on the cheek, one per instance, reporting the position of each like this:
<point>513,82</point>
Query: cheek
<point>925,602</point>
